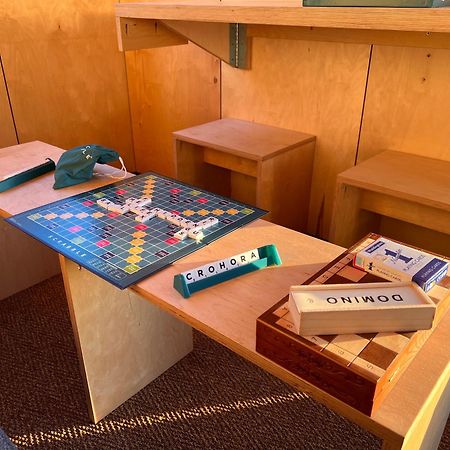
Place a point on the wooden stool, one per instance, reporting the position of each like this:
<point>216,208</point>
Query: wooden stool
<point>261,165</point>
<point>397,185</point>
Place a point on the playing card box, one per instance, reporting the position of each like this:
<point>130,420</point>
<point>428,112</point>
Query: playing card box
<point>393,261</point>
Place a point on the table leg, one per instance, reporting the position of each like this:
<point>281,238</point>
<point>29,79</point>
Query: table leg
<point>123,341</point>
<point>24,261</point>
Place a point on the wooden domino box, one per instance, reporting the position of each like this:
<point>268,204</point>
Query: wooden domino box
<point>358,369</point>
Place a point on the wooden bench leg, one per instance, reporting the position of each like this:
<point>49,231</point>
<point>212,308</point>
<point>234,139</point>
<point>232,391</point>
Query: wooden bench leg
<point>123,341</point>
<point>19,273</point>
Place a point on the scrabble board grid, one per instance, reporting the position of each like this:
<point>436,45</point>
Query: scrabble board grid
<point>369,359</point>
<point>116,246</point>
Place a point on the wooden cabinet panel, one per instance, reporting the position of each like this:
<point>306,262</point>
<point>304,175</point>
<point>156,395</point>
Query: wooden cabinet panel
<point>65,75</point>
<point>7,131</point>
<point>408,103</point>
<point>314,87</point>
<point>170,88</point>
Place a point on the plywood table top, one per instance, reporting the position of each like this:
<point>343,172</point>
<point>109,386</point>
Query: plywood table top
<point>289,12</point>
<point>39,191</point>
<point>227,312</point>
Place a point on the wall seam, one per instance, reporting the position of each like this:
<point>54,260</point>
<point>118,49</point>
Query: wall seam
<point>9,100</point>
<point>366,88</point>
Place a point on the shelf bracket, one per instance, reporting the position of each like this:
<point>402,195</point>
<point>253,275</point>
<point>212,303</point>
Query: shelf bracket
<point>238,45</point>
<point>136,34</point>
<point>228,42</point>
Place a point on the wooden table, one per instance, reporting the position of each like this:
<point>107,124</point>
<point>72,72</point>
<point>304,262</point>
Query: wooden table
<point>120,334</point>
<point>19,273</point>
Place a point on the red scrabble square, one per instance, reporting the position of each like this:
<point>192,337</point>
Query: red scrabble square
<point>103,243</point>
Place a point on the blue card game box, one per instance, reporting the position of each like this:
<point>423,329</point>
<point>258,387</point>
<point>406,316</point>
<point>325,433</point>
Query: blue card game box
<point>398,262</point>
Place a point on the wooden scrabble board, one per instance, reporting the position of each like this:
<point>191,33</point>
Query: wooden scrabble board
<point>123,247</point>
<point>358,369</point>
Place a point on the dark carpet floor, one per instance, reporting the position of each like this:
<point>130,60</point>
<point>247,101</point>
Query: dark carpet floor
<point>212,399</point>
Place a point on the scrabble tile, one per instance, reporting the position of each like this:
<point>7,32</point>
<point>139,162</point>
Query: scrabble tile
<point>213,220</point>
<point>222,266</point>
<point>146,216</point>
<point>188,224</point>
<point>247,257</point>
<point>112,207</point>
<point>130,200</point>
<point>103,202</point>
<point>189,277</point>
<point>181,235</point>
<point>162,214</point>
<point>173,218</point>
<point>196,234</point>
<point>122,209</point>
<point>208,222</point>
<point>139,210</point>
<point>202,224</point>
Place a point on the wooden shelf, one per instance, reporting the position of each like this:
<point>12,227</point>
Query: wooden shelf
<point>429,20</point>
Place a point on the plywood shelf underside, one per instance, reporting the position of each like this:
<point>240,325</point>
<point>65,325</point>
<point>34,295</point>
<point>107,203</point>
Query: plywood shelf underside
<point>427,20</point>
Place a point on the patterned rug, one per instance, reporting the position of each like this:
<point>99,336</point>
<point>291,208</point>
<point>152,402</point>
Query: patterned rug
<point>212,399</point>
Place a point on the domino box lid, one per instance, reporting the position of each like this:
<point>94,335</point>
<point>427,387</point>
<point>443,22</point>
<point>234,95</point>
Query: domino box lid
<point>397,262</point>
<point>360,308</point>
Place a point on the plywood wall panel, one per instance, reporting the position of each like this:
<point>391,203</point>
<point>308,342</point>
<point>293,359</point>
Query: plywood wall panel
<point>7,132</point>
<point>66,77</point>
<point>315,87</point>
<point>170,88</point>
<point>408,103</point>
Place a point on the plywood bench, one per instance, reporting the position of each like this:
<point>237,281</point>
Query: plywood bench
<point>402,186</point>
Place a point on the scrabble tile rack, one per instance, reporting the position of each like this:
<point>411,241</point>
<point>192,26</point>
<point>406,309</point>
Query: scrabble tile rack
<point>226,269</point>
